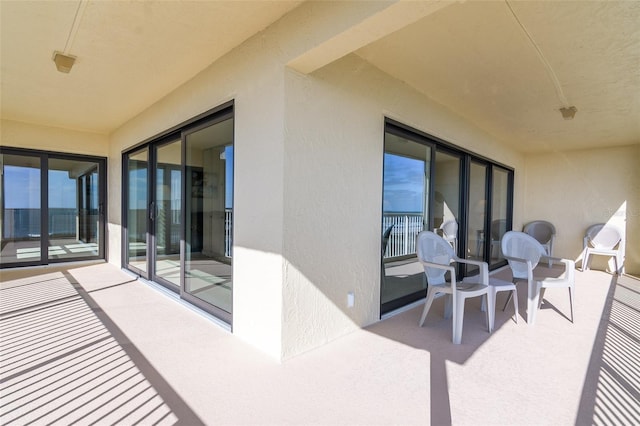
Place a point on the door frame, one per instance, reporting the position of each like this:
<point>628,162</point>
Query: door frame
<point>179,132</point>
<point>44,157</point>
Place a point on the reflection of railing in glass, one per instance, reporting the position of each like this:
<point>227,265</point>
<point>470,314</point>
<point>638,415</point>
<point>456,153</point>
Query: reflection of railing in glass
<point>175,232</point>
<point>20,224</point>
<point>402,241</point>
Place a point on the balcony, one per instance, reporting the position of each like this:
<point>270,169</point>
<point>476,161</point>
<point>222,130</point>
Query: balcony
<point>88,343</point>
<point>406,226</point>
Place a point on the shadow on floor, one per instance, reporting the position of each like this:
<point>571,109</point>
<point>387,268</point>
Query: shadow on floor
<point>611,391</point>
<point>65,361</point>
<point>435,336</point>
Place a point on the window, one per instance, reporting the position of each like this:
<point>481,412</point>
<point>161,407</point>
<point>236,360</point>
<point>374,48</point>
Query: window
<point>178,206</point>
<point>52,207</point>
<point>428,182</point>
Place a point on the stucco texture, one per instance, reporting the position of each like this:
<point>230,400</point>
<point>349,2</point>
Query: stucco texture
<point>576,189</point>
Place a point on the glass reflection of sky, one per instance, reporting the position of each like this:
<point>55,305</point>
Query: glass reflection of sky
<point>21,187</point>
<point>403,184</point>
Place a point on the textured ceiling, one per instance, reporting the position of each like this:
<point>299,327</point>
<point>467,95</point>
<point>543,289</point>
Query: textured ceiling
<point>473,57</point>
<point>477,60</point>
<point>130,54</point>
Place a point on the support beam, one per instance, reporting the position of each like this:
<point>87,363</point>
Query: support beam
<point>379,23</point>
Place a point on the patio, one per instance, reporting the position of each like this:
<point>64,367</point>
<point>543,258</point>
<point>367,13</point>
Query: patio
<point>90,344</point>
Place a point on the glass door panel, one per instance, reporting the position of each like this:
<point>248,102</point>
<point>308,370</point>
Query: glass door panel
<point>405,212</point>
<point>477,215</point>
<point>499,212</point>
<point>74,216</point>
<point>208,215</point>
<point>167,217</point>
<point>21,199</point>
<point>137,209</point>
<point>446,203</point>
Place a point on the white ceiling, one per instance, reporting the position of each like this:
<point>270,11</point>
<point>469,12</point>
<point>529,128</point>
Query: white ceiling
<point>476,59</point>
<point>130,54</point>
<point>473,57</point>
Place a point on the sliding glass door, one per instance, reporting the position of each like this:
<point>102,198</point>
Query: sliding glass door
<point>477,215</point>
<point>22,201</point>
<point>427,184</point>
<point>405,212</point>
<point>500,212</point>
<point>74,209</point>
<point>179,212</point>
<point>138,211</point>
<point>52,207</point>
<point>209,204</point>
<point>167,210</point>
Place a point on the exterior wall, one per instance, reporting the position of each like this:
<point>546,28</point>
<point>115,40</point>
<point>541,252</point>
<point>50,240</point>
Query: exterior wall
<point>333,191</point>
<point>303,238</point>
<point>251,77</point>
<point>579,188</point>
<point>31,136</point>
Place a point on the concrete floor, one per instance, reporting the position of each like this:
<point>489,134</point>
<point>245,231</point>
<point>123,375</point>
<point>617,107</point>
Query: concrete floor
<point>90,344</point>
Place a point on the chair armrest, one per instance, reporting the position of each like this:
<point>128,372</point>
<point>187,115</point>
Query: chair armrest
<point>556,260</point>
<point>438,265</point>
<point>516,259</point>
<point>484,268</point>
<point>449,268</point>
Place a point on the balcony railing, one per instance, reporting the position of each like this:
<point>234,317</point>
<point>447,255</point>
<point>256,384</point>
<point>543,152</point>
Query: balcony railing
<point>402,240</point>
<point>24,223</point>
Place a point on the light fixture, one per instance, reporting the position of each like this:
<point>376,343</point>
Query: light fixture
<point>568,112</point>
<point>64,63</point>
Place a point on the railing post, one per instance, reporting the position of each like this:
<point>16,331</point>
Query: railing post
<point>406,235</point>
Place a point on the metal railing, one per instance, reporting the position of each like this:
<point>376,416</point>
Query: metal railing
<point>402,240</point>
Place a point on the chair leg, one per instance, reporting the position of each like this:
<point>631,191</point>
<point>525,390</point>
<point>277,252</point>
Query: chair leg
<point>533,300</point>
<point>571,296</point>
<point>458,317</point>
<point>514,293</point>
<point>448,306</point>
<point>541,298</point>
<point>507,302</point>
<point>491,309</point>
<point>427,305</point>
<point>585,260</point>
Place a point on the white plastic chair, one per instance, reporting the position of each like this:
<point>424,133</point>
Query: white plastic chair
<point>436,256</point>
<point>544,232</point>
<point>523,252</point>
<point>601,239</point>
<point>449,231</point>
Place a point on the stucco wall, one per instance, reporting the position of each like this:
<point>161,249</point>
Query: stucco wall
<point>576,189</point>
<point>253,76</point>
<point>333,191</point>
<point>23,135</point>
<point>254,80</point>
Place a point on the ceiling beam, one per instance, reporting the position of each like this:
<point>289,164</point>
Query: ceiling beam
<point>364,30</point>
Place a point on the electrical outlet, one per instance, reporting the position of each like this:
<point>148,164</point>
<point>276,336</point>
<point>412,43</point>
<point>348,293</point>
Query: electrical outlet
<point>351,299</point>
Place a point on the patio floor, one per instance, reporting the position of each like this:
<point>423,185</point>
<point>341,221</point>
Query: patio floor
<point>88,343</point>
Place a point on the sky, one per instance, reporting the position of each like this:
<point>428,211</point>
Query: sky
<point>403,184</point>
<point>22,188</point>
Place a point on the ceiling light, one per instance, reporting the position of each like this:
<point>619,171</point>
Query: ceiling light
<point>63,62</point>
<point>568,112</point>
